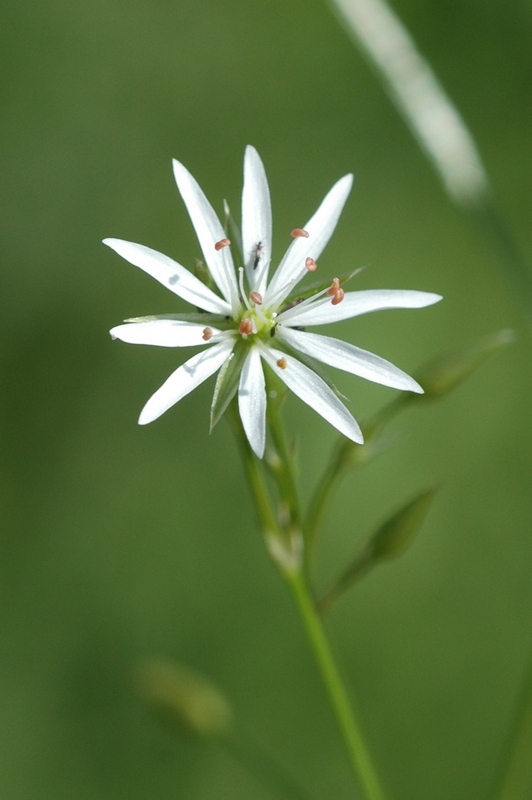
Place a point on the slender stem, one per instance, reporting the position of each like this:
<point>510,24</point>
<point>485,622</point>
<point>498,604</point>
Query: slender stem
<point>517,771</point>
<point>359,754</point>
<point>254,476</point>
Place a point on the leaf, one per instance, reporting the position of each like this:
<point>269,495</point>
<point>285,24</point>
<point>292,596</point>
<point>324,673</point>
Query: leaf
<point>227,381</point>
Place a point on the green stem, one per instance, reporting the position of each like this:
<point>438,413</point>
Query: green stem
<point>358,752</point>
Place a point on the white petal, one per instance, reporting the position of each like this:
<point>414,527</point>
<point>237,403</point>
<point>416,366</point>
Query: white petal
<point>171,274</point>
<point>162,332</point>
<point>252,401</point>
<point>209,230</point>
<point>343,355</point>
<point>355,304</point>
<point>320,229</point>
<point>313,390</point>
<point>256,221</point>
<point>189,375</point>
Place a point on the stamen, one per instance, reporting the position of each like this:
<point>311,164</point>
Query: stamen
<point>207,334</point>
<point>221,244</point>
<point>299,232</point>
<point>282,363</point>
<point>333,288</point>
<point>311,264</point>
<point>256,298</point>
<point>245,327</point>
<point>338,297</point>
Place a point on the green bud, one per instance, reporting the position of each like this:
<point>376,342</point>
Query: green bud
<point>185,698</point>
<point>396,533</point>
<point>444,373</point>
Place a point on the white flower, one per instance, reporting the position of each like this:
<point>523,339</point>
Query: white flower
<point>251,319</point>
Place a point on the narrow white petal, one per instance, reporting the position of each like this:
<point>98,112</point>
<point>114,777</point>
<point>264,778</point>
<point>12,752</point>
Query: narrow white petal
<point>256,221</point>
<point>343,355</point>
<point>313,390</point>
<point>320,229</point>
<point>171,274</point>
<point>162,332</point>
<point>355,304</point>
<point>209,230</point>
<point>189,375</point>
<point>252,401</point>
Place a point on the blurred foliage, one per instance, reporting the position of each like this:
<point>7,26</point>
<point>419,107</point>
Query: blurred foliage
<point>121,543</point>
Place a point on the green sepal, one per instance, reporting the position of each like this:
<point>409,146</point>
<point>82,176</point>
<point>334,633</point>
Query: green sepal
<point>319,286</point>
<point>227,381</point>
<point>203,274</point>
<point>393,536</point>
<point>446,372</point>
<point>233,232</point>
<point>201,318</point>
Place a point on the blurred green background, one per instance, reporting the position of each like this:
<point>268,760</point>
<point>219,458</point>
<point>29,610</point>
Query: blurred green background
<point>121,543</point>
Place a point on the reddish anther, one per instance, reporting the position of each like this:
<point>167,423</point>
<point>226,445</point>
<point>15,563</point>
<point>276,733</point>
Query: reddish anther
<point>333,288</point>
<point>338,297</point>
<point>282,363</point>
<point>207,334</point>
<point>298,233</point>
<point>245,327</point>
<point>311,264</point>
<point>221,244</point>
<point>256,298</point>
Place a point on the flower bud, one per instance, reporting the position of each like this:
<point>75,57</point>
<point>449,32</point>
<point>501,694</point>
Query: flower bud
<point>185,698</point>
<point>396,533</point>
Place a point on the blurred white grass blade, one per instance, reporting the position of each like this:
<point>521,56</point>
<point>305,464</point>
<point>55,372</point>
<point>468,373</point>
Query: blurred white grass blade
<point>354,304</point>
<point>252,401</point>
<point>162,333</point>
<point>170,274</point>
<point>313,390</point>
<point>349,358</point>
<point>256,221</point>
<point>419,96</point>
<point>189,375</point>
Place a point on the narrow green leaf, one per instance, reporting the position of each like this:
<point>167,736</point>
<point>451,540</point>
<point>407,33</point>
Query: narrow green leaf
<point>319,286</point>
<point>446,372</point>
<point>398,531</point>
<point>233,232</point>
<point>201,317</point>
<point>227,381</point>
